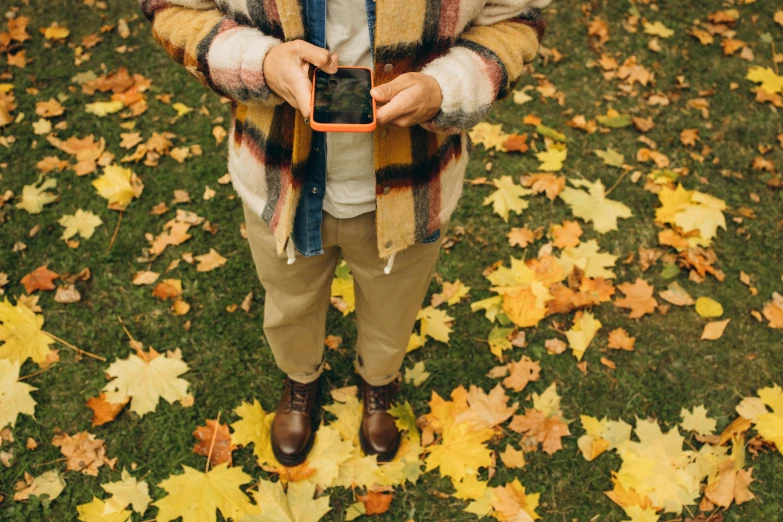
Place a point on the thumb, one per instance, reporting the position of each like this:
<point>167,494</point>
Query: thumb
<point>387,91</point>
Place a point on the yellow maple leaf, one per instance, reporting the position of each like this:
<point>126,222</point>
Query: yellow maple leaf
<point>118,185</point>
<point>22,335</point>
<point>218,489</point>
<point>55,32</point>
<point>639,514</point>
<point>507,197</point>
<point>103,108</point>
<point>328,453</point>
<point>659,468</point>
<point>127,491</point>
<point>697,420</point>
<point>586,257</point>
<point>15,396</point>
<point>35,196</point>
<point>526,306</point>
<point>770,425</point>
<point>491,136</point>
<point>181,108</point>
<point>704,213</point>
<point>658,29</point>
<point>672,203</point>
<point>294,505</point>
<point>552,159</point>
<point>771,83</point>
<point>94,512</point>
<point>435,323</point>
<point>146,382</point>
<point>254,427</point>
<point>593,205</point>
<point>461,452</point>
<point>581,333</point>
<point>82,223</point>
<point>513,504</point>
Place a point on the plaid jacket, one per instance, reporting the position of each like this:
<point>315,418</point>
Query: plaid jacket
<point>474,49</point>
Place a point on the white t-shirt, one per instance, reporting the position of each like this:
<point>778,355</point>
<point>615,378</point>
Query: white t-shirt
<point>350,159</point>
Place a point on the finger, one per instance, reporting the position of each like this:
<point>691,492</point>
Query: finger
<point>317,56</point>
<point>301,89</point>
<point>398,106</point>
<point>389,90</point>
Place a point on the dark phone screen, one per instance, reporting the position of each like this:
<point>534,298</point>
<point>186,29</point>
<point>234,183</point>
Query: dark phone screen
<point>343,97</point>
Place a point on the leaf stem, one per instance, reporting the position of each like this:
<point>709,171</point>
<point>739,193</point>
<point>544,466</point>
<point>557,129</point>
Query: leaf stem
<point>212,444</point>
<point>72,347</point>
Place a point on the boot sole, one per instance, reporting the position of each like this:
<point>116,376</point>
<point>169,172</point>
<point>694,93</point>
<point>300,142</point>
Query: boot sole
<point>382,457</point>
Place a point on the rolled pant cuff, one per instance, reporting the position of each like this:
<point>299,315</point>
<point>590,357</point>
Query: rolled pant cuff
<point>306,378</point>
<point>374,381</point>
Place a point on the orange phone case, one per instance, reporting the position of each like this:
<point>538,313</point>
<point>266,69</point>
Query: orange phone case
<point>342,127</point>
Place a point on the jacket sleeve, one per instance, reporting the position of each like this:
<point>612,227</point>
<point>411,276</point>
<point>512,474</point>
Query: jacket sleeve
<point>486,62</point>
<point>221,53</point>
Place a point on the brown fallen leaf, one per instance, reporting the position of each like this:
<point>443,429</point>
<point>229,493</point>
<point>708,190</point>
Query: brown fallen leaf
<point>541,429</point>
<point>84,452</point>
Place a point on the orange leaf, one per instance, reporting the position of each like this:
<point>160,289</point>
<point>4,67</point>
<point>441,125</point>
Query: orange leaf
<point>521,372</point>
<point>551,184</point>
<point>222,447</point>
<point>104,411</point>
<point>537,427</point>
<point>39,279</point>
<point>566,235</point>
<point>638,297</point>
<point>375,502</point>
<point>516,142</point>
<point>620,340</point>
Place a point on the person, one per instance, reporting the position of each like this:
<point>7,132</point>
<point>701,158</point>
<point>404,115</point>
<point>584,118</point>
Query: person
<point>382,200</point>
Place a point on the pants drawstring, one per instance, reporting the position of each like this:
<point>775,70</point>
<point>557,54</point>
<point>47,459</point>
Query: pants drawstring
<point>388,267</point>
<point>290,250</point>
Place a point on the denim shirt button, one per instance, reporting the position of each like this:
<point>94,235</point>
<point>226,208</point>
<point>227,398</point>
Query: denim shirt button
<point>314,190</point>
<point>388,68</point>
<point>386,191</point>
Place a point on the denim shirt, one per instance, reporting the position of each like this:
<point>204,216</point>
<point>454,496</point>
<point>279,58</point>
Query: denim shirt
<point>307,220</point>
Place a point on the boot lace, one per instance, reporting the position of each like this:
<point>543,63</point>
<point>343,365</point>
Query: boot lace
<point>380,397</point>
<point>298,395</point>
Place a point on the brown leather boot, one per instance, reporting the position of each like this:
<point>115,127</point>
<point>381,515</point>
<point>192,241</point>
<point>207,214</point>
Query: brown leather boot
<point>378,433</point>
<point>295,422</point>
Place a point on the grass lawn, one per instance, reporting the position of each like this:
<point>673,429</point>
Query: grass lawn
<point>228,357</point>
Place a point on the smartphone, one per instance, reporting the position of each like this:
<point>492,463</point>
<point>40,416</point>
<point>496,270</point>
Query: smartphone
<point>341,102</point>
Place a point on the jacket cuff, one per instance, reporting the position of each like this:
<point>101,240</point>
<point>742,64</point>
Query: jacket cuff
<point>469,84</point>
<point>235,63</point>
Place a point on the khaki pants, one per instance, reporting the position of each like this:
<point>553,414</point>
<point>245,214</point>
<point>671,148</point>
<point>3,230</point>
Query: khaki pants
<point>297,296</point>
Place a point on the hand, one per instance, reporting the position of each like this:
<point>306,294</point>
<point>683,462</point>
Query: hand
<point>287,71</point>
<point>409,99</point>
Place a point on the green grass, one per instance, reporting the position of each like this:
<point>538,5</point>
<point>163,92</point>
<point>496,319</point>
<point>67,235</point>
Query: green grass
<point>227,353</point>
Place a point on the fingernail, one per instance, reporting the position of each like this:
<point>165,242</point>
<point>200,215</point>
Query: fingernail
<point>375,91</point>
